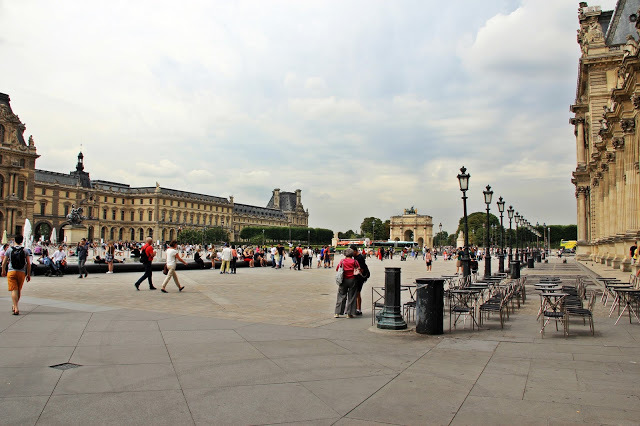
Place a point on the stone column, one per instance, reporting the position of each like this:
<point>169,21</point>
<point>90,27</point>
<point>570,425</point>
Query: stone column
<point>579,123</point>
<point>582,214</point>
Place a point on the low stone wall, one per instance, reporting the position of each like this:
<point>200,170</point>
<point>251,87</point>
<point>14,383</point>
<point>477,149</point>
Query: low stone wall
<point>132,266</point>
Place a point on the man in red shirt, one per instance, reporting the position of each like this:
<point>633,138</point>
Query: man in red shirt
<point>147,254</point>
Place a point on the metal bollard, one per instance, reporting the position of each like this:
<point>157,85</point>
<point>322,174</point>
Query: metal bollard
<point>430,305</point>
<point>515,269</point>
<point>391,316</point>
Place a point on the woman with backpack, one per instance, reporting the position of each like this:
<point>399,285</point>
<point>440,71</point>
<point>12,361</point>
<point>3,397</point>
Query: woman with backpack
<point>16,266</point>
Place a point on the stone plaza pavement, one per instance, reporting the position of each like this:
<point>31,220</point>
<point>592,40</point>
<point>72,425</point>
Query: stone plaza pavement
<point>262,347</point>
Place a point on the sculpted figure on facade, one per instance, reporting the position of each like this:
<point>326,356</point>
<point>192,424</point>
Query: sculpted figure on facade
<point>631,47</point>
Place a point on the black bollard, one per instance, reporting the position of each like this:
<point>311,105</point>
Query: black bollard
<point>515,269</point>
<point>429,305</point>
<point>530,263</point>
<point>501,263</point>
<point>391,316</point>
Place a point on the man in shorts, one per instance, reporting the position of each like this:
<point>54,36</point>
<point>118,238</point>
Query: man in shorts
<point>16,266</point>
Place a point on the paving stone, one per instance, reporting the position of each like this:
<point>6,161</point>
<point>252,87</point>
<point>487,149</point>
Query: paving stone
<point>343,395</point>
<point>102,338</point>
<point>230,372</point>
<point>213,352</point>
<point>38,356</point>
<point>10,339</point>
<point>121,325</point>
<point>288,348</point>
<point>22,410</point>
<point>167,407</point>
<point>187,337</point>
<point>117,378</point>
<point>261,404</point>
<point>127,354</point>
<point>29,381</point>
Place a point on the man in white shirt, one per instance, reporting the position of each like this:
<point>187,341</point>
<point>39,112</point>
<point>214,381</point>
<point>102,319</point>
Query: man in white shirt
<point>226,259</point>
<point>57,258</point>
<point>274,251</point>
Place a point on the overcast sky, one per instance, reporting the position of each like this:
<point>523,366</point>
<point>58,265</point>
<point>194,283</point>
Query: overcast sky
<point>368,106</point>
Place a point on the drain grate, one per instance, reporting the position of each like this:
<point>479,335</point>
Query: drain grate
<point>65,366</point>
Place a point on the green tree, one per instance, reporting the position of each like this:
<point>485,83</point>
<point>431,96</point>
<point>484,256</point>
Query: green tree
<point>477,226</point>
<point>373,228</point>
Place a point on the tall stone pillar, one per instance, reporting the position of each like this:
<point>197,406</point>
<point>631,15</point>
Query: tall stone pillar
<point>579,123</point>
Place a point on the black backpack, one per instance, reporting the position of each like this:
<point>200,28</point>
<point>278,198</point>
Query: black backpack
<point>18,258</point>
<point>143,255</point>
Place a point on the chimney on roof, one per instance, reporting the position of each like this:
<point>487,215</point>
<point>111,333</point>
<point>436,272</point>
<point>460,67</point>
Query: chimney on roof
<point>298,197</point>
<point>276,198</point>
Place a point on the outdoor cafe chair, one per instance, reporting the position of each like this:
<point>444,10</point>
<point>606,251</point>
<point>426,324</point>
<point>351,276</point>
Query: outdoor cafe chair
<point>574,311</point>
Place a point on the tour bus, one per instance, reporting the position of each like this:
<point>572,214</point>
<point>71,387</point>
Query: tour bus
<point>568,245</point>
<point>395,244</point>
<point>359,242</point>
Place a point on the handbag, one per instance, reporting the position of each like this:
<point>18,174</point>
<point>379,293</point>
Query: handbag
<point>340,274</point>
<point>165,270</point>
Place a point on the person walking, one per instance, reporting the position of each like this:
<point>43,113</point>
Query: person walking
<point>348,288</point>
<point>172,257</point>
<point>16,266</point>
<point>361,278</point>
<point>234,259</point>
<point>427,257</point>
<point>146,257</point>
<point>82,251</point>
<point>226,259</point>
<point>109,256</point>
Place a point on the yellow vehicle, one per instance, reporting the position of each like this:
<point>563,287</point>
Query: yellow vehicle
<point>569,245</point>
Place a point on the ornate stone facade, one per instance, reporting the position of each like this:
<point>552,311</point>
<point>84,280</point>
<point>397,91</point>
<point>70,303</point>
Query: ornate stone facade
<point>113,210</point>
<point>607,139</point>
<point>412,227</point>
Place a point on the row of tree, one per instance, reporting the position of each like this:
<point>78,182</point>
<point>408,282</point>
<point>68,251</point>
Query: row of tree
<point>371,227</point>
<point>477,223</point>
<point>255,235</point>
<point>258,234</point>
<point>375,229</point>
<point>198,236</point>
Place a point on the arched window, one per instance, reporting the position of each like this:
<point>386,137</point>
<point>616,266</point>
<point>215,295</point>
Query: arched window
<point>133,234</point>
<point>150,232</point>
<point>141,234</point>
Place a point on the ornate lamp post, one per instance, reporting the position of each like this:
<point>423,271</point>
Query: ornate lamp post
<point>517,220</point>
<point>501,256</point>
<point>544,240</point>
<point>440,238</point>
<point>510,212</point>
<point>463,180</point>
<point>488,194</point>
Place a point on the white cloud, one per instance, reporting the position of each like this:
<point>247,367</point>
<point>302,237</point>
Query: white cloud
<point>336,98</point>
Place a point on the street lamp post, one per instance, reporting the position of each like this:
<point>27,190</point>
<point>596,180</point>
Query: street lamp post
<point>263,238</point>
<point>510,215</point>
<point>517,220</point>
<point>463,180</point>
<point>488,194</point>
<point>501,255</point>
<point>308,237</point>
<point>549,238</point>
<point>440,238</point>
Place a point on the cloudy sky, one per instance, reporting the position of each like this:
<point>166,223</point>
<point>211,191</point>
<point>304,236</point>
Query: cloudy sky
<point>368,106</point>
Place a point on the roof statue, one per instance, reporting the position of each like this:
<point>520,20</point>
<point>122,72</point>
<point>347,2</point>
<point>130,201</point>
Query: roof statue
<point>411,210</point>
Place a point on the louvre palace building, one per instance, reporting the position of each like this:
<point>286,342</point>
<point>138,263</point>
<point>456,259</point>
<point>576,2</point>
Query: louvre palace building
<point>116,211</point>
<point>605,120</point>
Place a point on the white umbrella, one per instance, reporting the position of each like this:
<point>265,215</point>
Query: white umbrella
<point>27,234</point>
<point>54,237</point>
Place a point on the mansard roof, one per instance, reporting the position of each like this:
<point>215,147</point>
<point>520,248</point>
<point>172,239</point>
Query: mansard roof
<point>287,201</point>
<point>258,211</point>
<point>616,24</point>
<point>46,176</point>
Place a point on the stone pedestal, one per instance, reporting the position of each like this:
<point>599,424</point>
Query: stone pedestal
<point>74,233</point>
<point>616,262</point>
<point>625,265</point>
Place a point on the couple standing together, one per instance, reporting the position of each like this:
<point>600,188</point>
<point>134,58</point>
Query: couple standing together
<point>355,275</point>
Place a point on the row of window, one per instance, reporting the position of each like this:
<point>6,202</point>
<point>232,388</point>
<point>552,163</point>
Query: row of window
<point>164,202</point>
